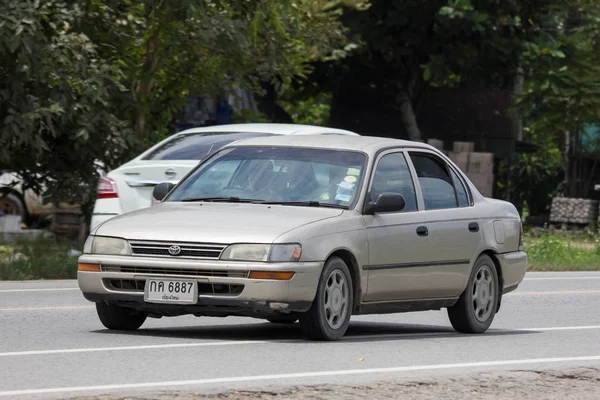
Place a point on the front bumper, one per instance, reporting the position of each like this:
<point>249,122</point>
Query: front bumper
<point>224,288</point>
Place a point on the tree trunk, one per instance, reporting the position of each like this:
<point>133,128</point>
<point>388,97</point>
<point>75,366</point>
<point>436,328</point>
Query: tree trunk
<point>567,187</point>
<point>407,114</point>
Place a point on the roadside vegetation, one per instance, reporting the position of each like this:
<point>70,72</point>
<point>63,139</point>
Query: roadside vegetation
<point>38,259</point>
<point>45,259</point>
<point>560,252</point>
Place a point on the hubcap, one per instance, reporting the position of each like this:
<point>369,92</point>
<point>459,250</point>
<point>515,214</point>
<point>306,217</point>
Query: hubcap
<point>483,294</point>
<point>336,299</point>
<point>8,207</point>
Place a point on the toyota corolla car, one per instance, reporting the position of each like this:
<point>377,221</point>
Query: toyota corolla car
<point>129,187</point>
<point>287,229</point>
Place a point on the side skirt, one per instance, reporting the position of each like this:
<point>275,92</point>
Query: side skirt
<point>391,307</point>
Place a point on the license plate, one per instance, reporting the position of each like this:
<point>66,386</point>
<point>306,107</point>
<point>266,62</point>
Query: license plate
<point>171,291</point>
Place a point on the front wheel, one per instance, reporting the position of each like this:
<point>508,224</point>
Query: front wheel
<point>475,309</point>
<point>120,318</point>
<point>329,316</point>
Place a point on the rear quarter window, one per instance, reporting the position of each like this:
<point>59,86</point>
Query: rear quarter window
<point>197,146</point>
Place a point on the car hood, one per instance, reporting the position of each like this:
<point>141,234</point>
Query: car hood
<point>213,222</point>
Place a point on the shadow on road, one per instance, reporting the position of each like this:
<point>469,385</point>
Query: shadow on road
<point>359,331</point>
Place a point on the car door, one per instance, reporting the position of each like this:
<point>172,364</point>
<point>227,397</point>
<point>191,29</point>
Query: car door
<point>453,224</point>
<point>398,241</point>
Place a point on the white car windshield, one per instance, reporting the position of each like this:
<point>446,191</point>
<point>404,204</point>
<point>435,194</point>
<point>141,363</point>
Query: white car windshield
<point>278,175</point>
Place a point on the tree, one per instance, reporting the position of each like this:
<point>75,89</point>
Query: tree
<point>168,50</point>
<point>55,115</point>
<point>409,46</point>
<point>98,80</point>
<point>562,85</point>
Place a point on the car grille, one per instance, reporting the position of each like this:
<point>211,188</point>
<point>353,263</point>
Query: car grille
<point>137,286</point>
<point>189,250</point>
<point>175,271</point>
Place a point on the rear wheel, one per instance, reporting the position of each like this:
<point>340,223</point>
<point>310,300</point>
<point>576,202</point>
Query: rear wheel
<point>476,307</point>
<point>120,318</point>
<point>12,204</point>
<point>329,316</point>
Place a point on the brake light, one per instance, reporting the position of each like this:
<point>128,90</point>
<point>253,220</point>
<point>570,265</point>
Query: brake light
<point>107,188</point>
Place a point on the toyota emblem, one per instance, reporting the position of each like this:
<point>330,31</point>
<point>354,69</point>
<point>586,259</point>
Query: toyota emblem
<point>174,250</point>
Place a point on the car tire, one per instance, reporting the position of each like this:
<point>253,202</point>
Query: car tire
<point>475,309</point>
<point>329,315</point>
<point>283,319</point>
<point>120,318</point>
<point>13,204</point>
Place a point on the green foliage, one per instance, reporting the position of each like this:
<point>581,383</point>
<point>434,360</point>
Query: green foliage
<point>556,252</point>
<point>562,68</point>
<point>55,113</point>
<point>535,178</point>
<point>411,45</point>
<point>310,111</point>
<point>100,80</point>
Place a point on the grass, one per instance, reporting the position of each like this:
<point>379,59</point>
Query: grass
<point>558,252</point>
<point>38,259</point>
<point>43,259</point>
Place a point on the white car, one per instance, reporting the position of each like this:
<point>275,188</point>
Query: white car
<point>129,187</point>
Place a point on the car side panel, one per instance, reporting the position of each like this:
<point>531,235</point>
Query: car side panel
<point>513,263</point>
<point>454,248</point>
<point>346,232</point>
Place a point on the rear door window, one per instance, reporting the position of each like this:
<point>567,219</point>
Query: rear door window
<point>197,146</point>
<point>435,180</point>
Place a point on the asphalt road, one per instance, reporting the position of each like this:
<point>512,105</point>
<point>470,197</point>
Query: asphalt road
<point>53,346</point>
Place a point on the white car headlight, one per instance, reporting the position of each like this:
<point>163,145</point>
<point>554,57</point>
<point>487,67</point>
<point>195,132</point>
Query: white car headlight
<point>110,246</point>
<point>262,252</point>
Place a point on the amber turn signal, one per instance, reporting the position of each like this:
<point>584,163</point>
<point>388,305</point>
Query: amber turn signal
<point>278,276</point>
<point>88,267</point>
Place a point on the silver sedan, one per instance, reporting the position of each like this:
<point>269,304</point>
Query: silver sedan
<point>314,229</point>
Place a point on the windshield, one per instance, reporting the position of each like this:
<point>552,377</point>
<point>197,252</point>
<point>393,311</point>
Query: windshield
<point>198,145</point>
<point>292,175</point>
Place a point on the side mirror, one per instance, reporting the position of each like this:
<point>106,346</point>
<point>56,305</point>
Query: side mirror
<point>162,190</point>
<point>386,202</point>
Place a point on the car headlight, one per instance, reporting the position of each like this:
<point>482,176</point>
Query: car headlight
<point>107,245</point>
<point>263,252</point>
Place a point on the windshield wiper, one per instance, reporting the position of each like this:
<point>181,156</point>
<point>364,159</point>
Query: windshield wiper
<point>310,203</point>
<point>230,199</point>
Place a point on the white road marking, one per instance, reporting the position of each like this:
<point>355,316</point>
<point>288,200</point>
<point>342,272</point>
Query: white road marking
<point>121,348</point>
<point>242,342</point>
<point>45,308</point>
<point>561,328</point>
<point>552,293</point>
<point>254,378</point>
<point>562,278</point>
<point>37,290</point>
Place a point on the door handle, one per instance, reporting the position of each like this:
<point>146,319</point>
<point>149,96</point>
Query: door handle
<point>474,227</point>
<point>422,231</point>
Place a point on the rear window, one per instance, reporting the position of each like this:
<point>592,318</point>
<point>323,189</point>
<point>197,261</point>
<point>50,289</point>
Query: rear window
<point>196,146</point>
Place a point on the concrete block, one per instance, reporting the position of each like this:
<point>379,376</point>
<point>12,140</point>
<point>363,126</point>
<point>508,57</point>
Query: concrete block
<point>460,159</point>
<point>481,163</point>
<point>464,147</point>
<point>483,182</point>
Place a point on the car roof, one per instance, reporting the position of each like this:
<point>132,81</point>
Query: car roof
<point>272,128</point>
<point>367,144</point>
